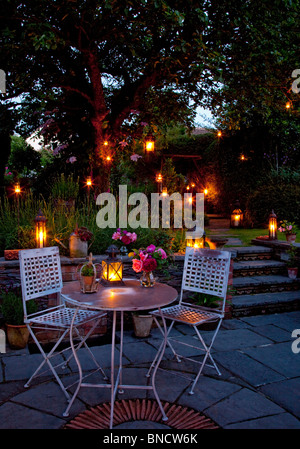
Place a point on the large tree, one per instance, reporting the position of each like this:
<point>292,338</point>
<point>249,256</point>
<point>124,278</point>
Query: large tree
<point>97,71</point>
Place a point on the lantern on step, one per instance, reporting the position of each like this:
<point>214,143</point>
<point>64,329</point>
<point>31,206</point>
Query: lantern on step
<point>112,267</point>
<point>236,217</point>
<point>40,229</point>
<point>272,226</point>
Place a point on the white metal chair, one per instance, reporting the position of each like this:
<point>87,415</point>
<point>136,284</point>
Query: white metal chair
<point>205,271</point>
<point>41,275</point>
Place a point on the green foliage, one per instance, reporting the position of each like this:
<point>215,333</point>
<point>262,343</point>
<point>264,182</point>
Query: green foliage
<point>64,188</point>
<point>275,193</point>
<point>87,270</point>
<point>202,299</point>
<point>23,158</point>
<point>12,306</point>
<point>292,262</point>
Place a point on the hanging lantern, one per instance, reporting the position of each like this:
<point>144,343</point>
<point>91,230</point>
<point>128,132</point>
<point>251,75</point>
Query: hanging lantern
<point>112,267</point>
<point>17,188</point>
<point>89,181</point>
<point>149,144</point>
<point>236,218</point>
<point>158,177</point>
<point>40,229</point>
<point>272,226</point>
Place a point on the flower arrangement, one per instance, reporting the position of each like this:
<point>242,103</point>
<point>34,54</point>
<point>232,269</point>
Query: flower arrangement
<point>287,227</point>
<point>124,237</point>
<point>148,259</point>
<point>83,233</point>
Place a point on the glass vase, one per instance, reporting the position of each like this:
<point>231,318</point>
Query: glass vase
<point>147,279</point>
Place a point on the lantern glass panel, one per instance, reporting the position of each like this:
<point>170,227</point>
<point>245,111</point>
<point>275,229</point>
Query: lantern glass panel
<point>112,270</point>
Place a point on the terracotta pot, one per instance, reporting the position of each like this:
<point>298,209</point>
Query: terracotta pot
<point>88,283</point>
<point>291,238</point>
<point>142,325</point>
<point>293,273</point>
<point>17,336</point>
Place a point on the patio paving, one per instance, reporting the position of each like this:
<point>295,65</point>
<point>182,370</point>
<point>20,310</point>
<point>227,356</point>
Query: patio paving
<point>258,389</point>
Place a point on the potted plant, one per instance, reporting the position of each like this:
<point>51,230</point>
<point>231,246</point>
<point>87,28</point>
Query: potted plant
<point>88,275</point>
<point>13,314</point>
<point>292,262</point>
<point>79,242</point>
<point>289,229</point>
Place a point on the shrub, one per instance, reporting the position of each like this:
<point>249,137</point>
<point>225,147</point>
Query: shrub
<point>283,197</point>
<point>12,306</point>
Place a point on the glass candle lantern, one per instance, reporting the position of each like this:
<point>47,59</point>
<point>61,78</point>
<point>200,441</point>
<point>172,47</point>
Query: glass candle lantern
<point>40,230</point>
<point>236,218</point>
<point>272,226</point>
<point>112,267</point>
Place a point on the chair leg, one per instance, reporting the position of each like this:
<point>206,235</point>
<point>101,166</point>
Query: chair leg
<point>83,342</point>
<point>46,360</point>
<point>207,354</point>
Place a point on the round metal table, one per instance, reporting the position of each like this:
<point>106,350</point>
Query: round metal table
<point>129,297</point>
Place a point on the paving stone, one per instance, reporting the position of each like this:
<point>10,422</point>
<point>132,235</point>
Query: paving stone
<point>286,394</point>
<point>169,386</point>
<point>140,352</point>
<point>22,367</point>
<point>16,416</point>
<point>281,421</point>
<point>238,339</point>
<point>207,392</point>
<point>273,333</point>
<point>49,398</point>
<point>278,357</point>
<point>246,368</point>
<point>242,406</point>
<point>10,389</point>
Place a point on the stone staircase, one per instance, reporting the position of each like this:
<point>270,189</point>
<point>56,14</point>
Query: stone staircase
<point>261,284</point>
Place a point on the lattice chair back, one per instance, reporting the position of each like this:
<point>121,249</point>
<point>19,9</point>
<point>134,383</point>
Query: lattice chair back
<point>206,271</point>
<point>40,272</point>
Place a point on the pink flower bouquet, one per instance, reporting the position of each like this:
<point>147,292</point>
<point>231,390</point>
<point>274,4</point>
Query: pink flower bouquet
<point>124,237</point>
<point>287,227</point>
<point>148,259</point>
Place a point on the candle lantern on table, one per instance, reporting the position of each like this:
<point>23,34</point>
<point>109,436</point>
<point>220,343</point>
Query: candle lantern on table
<point>112,267</point>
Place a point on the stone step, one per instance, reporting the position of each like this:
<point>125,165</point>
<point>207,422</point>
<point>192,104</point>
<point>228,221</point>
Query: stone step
<point>246,305</point>
<point>251,253</point>
<point>244,268</point>
<point>264,284</point>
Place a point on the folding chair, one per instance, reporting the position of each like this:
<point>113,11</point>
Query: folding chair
<point>205,271</point>
<point>40,272</point>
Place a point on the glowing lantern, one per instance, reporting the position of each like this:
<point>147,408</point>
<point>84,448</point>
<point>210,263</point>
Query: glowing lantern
<point>149,143</point>
<point>158,177</point>
<point>112,267</point>
<point>219,134</point>
<point>164,191</point>
<point>288,105</point>
<point>108,159</point>
<point>40,229</point>
<point>17,188</point>
<point>236,218</point>
<point>195,242</point>
<point>272,226</point>
<point>205,191</point>
<point>89,181</point>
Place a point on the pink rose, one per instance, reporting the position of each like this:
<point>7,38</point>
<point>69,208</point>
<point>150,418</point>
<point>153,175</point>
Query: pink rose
<point>116,236</point>
<point>151,248</point>
<point>137,265</point>
<point>133,237</point>
<point>162,253</point>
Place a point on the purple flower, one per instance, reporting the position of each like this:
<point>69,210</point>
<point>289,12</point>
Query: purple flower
<point>151,248</point>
